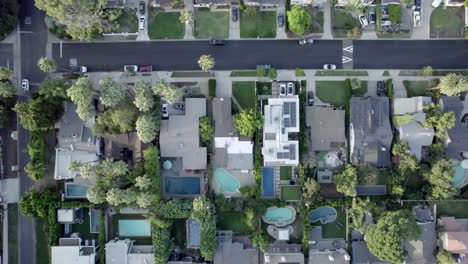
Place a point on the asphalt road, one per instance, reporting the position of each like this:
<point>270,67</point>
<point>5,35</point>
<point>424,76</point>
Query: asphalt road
<point>6,55</point>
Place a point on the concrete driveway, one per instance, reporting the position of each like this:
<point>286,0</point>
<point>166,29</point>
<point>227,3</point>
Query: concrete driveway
<point>234,27</point>
<point>280,31</point>
<point>424,31</point>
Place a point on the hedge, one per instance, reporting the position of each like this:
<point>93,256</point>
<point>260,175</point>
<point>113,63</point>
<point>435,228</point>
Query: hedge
<point>389,90</point>
<point>102,236</point>
<point>152,169</point>
<point>36,167</point>
<point>212,87</point>
<point>161,244</point>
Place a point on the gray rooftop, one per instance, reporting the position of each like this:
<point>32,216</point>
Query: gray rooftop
<point>457,141</point>
<point>416,134</point>
<point>222,117</point>
<point>228,252</point>
<point>193,233</point>
<point>423,214</point>
<point>370,131</point>
<point>362,255</point>
<point>371,190</point>
<point>73,132</point>
<point>332,256</point>
<point>284,253</point>
<point>327,126</point>
<point>179,136</point>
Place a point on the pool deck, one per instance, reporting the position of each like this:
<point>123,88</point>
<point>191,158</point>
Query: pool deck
<point>245,179</point>
<point>178,171</point>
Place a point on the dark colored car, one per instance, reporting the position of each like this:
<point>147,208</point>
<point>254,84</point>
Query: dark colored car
<point>310,98</point>
<point>380,88</point>
<point>216,42</point>
<point>417,5</point>
<point>179,106</point>
<point>142,7</point>
<point>235,14</point>
<point>372,17</point>
<point>146,68</point>
<point>280,20</point>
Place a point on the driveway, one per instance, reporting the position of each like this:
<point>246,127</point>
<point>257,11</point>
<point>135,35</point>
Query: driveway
<point>280,31</point>
<point>424,31</point>
<point>234,27</point>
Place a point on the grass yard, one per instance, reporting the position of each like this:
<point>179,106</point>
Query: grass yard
<point>128,22</point>
<point>211,24</point>
<point>402,119</point>
<point>448,22</point>
<point>332,92</point>
<point>84,229</point>
<point>264,88</point>
<point>455,209</point>
<point>341,73</point>
<point>232,220</point>
<point>42,242</point>
<point>416,88</point>
<point>178,232</point>
<point>285,173</point>
<point>12,233</point>
<point>244,92</point>
<point>166,26</point>
<point>361,91</point>
<point>262,24</point>
<point>291,192</point>
<point>333,230</point>
<point>342,22</point>
<point>243,74</point>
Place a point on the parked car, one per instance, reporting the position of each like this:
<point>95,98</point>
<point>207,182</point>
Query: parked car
<point>372,17</point>
<point>179,106</point>
<point>280,20</point>
<point>282,89</point>
<point>363,20</point>
<point>310,98</point>
<point>141,23</point>
<point>291,88</point>
<point>264,66</point>
<point>381,88</point>
<point>386,23</point>
<point>305,41</point>
<point>79,69</point>
<point>329,67</point>
<point>436,3</point>
<point>165,111</point>
<point>25,84</point>
<point>417,18</point>
<point>234,14</point>
<point>142,7</point>
<point>216,42</point>
<point>417,5</point>
<point>146,68</point>
<point>130,68</point>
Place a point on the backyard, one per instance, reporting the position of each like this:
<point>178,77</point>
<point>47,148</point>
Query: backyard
<point>448,22</point>
<point>333,92</point>
<point>285,173</point>
<point>115,227</point>
<point>342,23</point>
<point>291,192</point>
<point>84,228</point>
<point>165,25</point>
<point>263,88</point>
<point>178,232</point>
<point>232,220</point>
<point>262,24</point>
<point>128,22</point>
<point>337,228</point>
<point>42,243</point>
<point>244,92</point>
<point>455,209</point>
<point>416,88</point>
<point>211,24</point>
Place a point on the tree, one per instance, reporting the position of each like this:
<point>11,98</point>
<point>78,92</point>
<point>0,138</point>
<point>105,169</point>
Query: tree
<point>9,14</point>
<point>385,239</point>
<point>206,129</point>
<point>117,197</point>
<point>167,92</point>
<point>206,63</point>
<point>346,181</point>
<point>47,65</point>
<point>96,194</point>
<point>436,152</point>
<point>4,116</point>
<point>144,100</point>
<point>453,84</point>
<point>439,180</point>
<point>5,73</point>
<point>81,94</point>
<point>272,73</point>
<point>311,192</point>
<point>144,199</point>
<point>426,71</point>
<point>299,19</point>
<point>394,12</point>
<point>407,161</point>
<point>247,122</point>
<point>143,182</point>
<point>7,89</point>
<point>367,174</point>
<point>85,112</point>
<point>147,126</point>
<point>186,17</point>
<point>439,120</point>
<point>204,212</point>
<point>117,120</point>
<point>355,84</point>
<point>360,214</point>
<point>112,93</point>
<point>54,88</point>
<point>36,203</point>
<point>445,257</point>
<point>39,113</point>
<point>259,239</point>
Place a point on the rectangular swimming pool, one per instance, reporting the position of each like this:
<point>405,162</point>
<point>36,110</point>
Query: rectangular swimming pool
<point>73,190</point>
<point>268,182</point>
<point>134,228</point>
<point>182,185</point>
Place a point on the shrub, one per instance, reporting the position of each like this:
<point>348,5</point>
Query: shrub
<point>300,72</point>
<point>36,167</point>
<point>206,129</point>
<point>272,73</point>
<point>212,87</point>
<point>394,12</point>
<point>102,236</point>
<point>261,72</point>
<point>151,167</point>
<point>389,88</point>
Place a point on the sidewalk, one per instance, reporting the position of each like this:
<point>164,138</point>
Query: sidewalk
<point>327,33</point>
<point>188,5</point>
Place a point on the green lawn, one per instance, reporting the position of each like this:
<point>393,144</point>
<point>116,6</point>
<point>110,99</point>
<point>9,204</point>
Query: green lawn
<point>83,229</point>
<point>178,232</point>
<point>211,24</point>
<point>264,88</point>
<point>291,192</point>
<point>12,233</point>
<point>285,173</point>
<point>232,220</point>
<point>402,119</point>
<point>455,209</point>
<point>244,92</point>
<point>115,228</point>
<point>243,74</point>
<point>166,26</point>
<point>361,91</point>
<point>448,22</point>
<point>262,24</point>
<point>342,22</point>
<point>42,242</point>
<point>416,88</point>
<point>341,73</point>
<point>332,230</point>
<point>128,22</point>
<point>332,92</point>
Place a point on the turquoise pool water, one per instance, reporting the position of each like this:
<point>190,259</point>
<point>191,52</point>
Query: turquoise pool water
<point>459,175</point>
<point>279,215</point>
<point>75,190</point>
<point>226,181</point>
<point>325,214</point>
<point>134,228</point>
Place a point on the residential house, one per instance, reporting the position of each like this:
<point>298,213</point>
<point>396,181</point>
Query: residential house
<point>370,131</point>
<point>262,3</point>
<point>125,147</point>
<point>179,136</point>
<point>408,119</point>
<point>229,252</point>
<point>125,252</point>
<point>421,250</point>
<point>362,255</point>
<point>161,3</point>
<point>280,132</point>
<point>332,256</point>
<point>283,253</point>
<point>456,145</point>
<point>71,251</point>
<point>307,2</point>
<point>454,2</point>
<point>116,3</point>
<point>454,237</point>
<point>210,3</point>
<point>233,153</point>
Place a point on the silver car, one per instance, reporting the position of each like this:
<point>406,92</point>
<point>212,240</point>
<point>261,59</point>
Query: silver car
<point>329,67</point>
<point>306,41</point>
<point>282,89</point>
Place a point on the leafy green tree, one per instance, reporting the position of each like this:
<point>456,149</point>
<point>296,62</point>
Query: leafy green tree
<point>161,244</point>
<point>204,212</point>
<point>407,161</point>
<point>436,152</point>
<point>249,217</point>
<point>367,174</point>
<point>56,88</point>
<point>439,180</point>
<point>4,116</point>
<point>9,15</point>
<point>385,239</point>
<point>7,89</point>
<point>346,181</point>
<point>117,120</point>
<point>272,73</point>
<point>259,239</point>
<point>39,113</point>
<point>186,17</point>
<point>144,100</point>
<point>81,93</point>
<point>453,84</point>
<point>206,129</point>
<point>299,19</point>
<point>152,170</point>
<point>96,194</point>
<point>144,199</point>
<point>36,203</point>
<point>206,63</point>
<point>395,183</point>
<point>247,122</point>
<point>426,71</point>
<point>445,257</point>
<point>143,182</point>
<point>47,65</point>
<point>112,93</point>
<point>360,214</point>
<point>147,126</point>
<point>311,194</point>
<point>167,92</point>
<point>394,13</point>
<point>439,120</point>
<point>5,73</point>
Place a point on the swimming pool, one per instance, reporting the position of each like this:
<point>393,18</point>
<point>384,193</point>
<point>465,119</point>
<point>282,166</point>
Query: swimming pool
<point>73,190</point>
<point>134,228</point>
<point>226,181</point>
<point>268,182</point>
<point>281,216</point>
<point>459,176</point>
<point>325,214</point>
<point>182,185</point>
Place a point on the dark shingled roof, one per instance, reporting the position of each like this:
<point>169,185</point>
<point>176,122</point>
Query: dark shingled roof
<point>458,135</point>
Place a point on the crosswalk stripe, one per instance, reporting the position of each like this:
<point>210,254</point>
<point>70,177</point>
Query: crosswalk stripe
<point>346,59</point>
<point>349,49</point>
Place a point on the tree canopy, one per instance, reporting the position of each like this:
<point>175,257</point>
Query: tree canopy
<point>445,257</point>
<point>311,193</point>
<point>204,212</point>
<point>299,19</point>
<point>346,181</point>
<point>39,113</point>
<point>247,122</point>
<point>117,120</point>
<point>439,180</point>
<point>5,73</point>
<point>144,97</point>
<point>453,84</point>
<point>9,15</point>
<point>406,161</point>
<point>166,91</point>
<point>206,62</point>
<point>81,93</point>
<point>47,65</point>
<point>206,129</point>
<point>147,126</point>
<point>112,92</point>
<point>54,88</point>
<point>7,89</point>
<point>439,120</point>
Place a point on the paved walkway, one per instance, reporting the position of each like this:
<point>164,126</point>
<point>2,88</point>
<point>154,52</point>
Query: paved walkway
<point>280,31</point>
<point>234,26</point>
<point>188,5</point>
<point>327,28</point>
<point>424,31</point>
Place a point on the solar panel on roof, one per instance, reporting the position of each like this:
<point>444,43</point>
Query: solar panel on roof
<point>292,152</point>
<point>289,108</point>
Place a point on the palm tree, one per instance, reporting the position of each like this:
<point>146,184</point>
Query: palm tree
<point>453,84</point>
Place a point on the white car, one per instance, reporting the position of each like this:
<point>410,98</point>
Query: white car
<point>25,84</point>
<point>130,68</point>
<point>363,20</point>
<point>436,3</point>
<point>141,23</point>
<point>165,110</point>
<point>282,89</point>
<point>329,67</point>
<point>417,18</point>
<point>386,23</point>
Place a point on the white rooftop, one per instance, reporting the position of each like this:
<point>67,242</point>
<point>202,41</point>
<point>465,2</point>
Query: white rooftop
<point>63,157</point>
<point>70,255</point>
<point>281,117</point>
<point>283,234</point>
<point>233,145</point>
<point>65,215</point>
